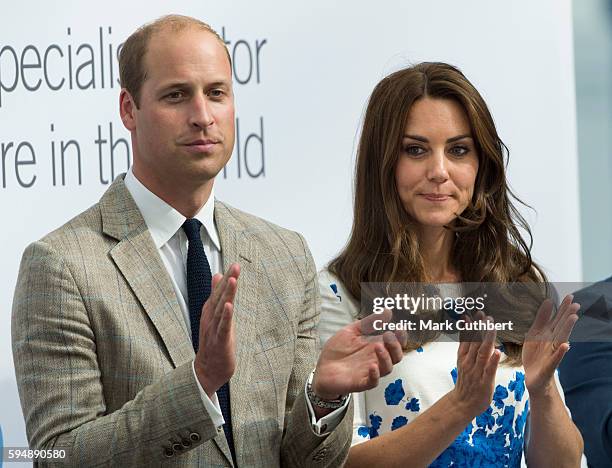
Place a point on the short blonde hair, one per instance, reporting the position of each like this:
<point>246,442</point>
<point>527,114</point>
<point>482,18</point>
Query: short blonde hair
<point>132,73</point>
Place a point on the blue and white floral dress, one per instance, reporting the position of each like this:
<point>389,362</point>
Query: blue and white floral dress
<point>496,438</point>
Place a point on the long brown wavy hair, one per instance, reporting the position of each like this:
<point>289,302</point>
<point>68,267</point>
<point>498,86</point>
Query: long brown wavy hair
<point>383,246</point>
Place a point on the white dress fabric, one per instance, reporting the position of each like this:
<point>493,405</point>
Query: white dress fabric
<point>496,438</point>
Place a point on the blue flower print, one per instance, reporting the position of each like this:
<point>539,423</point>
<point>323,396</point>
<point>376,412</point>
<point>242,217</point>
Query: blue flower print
<point>506,420</point>
<point>375,422</point>
<point>486,419</point>
<point>419,349</point>
<point>334,288</point>
<point>479,437</point>
<point>394,392</point>
<point>413,405</point>
<point>398,422</point>
<point>515,451</point>
<point>500,394</point>
<point>492,444</point>
<point>465,435</point>
<point>454,375</point>
<point>518,386</point>
<point>519,424</point>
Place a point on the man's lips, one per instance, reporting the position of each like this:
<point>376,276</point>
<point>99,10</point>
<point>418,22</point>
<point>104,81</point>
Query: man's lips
<point>201,146</point>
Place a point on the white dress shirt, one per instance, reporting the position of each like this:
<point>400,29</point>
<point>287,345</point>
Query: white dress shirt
<point>164,224</point>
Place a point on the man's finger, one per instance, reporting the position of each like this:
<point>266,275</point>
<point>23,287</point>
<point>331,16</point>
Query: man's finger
<point>393,347</point>
<point>402,337</point>
<point>385,365</point>
<point>366,325</point>
<point>217,290</point>
<point>225,324</point>
<point>226,298</point>
<point>233,270</point>
<point>371,380</point>
<point>220,285</point>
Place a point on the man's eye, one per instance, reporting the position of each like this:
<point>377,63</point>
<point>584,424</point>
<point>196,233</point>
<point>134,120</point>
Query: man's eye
<point>175,95</point>
<point>414,150</point>
<point>216,93</point>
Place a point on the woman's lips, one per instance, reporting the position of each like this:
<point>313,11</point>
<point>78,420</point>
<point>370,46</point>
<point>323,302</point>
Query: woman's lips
<point>435,197</point>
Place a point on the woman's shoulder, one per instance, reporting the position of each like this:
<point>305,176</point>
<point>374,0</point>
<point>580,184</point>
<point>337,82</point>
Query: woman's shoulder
<point>334,290</point>
<point>338,307</point>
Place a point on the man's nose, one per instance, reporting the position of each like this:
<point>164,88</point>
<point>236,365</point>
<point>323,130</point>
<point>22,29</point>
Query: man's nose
<point>438,167</point>
<point>201,115</point>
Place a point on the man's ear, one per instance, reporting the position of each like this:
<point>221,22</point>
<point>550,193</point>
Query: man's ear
<point>127,109</point>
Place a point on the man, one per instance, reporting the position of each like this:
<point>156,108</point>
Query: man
<point>118,362</point>
<point>586,372</point>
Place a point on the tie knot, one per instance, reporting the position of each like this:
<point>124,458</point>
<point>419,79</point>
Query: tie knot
<point>192,229</point>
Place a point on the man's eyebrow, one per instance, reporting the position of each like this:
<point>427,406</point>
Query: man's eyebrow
<point>187,85</point>
<point>219,84</point>
<point>450,140</point>
<point>174,85</point>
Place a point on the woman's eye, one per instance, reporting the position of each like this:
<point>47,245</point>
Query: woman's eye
<point>459,150</point>
<point>414,150</point>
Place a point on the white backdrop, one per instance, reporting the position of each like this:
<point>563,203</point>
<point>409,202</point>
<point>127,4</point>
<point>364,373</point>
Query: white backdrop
<point>308,69</point>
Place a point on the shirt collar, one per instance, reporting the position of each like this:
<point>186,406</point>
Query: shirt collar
<point>162,219</point>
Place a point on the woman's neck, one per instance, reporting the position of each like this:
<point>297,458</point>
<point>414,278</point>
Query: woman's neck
<point>436,245</point>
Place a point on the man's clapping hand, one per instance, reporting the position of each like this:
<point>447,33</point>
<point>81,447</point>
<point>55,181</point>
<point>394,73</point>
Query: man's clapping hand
<point>215,361</point>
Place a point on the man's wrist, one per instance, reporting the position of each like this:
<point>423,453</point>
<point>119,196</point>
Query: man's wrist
<point>205,383</point>
<point>319,400</point>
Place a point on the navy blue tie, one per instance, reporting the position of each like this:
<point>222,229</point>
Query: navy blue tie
<point>199,284</point>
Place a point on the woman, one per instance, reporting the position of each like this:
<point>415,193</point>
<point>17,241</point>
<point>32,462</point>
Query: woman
<point>432,205</point>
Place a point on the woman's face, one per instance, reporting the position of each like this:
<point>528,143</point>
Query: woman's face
<point>437,167</point>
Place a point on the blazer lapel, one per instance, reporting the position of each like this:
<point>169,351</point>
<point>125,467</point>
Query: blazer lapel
<point>237,246</point>
<point>138,260</point>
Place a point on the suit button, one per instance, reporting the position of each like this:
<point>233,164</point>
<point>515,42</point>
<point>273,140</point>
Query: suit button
<point>177,447</point>
<point>195,437</point>
<point>320,455</point>
<point>323,427</point>
<point>186,443</point>
<point>168,452</point>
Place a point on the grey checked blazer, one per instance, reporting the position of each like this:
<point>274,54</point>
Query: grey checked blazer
<point>103,355</point>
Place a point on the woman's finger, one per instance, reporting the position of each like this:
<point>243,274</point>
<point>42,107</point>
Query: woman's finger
<point>491,368</point>
<point>542,318</point>
<point>463,350</point>
<point>486,346</point>
<point>564,307</point>
<point>564,329</point>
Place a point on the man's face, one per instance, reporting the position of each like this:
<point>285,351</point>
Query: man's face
<point>183,129</point>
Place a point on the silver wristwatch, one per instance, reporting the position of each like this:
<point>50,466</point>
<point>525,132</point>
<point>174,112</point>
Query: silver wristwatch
<point>316,401</point>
